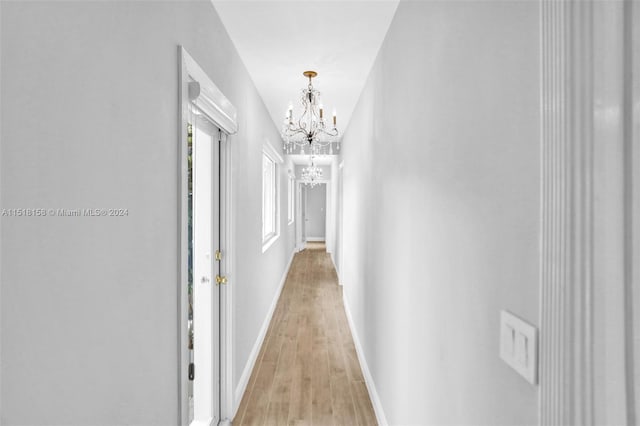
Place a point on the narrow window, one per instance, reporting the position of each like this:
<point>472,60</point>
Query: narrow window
<point>268,198</point>
<point>271,161</point>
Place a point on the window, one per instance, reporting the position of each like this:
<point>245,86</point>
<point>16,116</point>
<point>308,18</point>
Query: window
<point>270,196</point>
<point>291,205</point>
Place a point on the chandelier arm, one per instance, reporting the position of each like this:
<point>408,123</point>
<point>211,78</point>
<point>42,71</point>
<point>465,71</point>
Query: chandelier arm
<point>303,98</point>
<point>301,124</point>
<point>297,131</point>
<point>332,132</point>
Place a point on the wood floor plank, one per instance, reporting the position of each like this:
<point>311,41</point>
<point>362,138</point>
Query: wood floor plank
<point>258,402</point>
<point>300,402</point>
<point>321,407</point>
<point>351,362</point>
<point>276,338</point>
<point>307,371</point>
<point>337,365</point>
<point>364,408</point>
<point>278,411</point>
<point>344,411</point>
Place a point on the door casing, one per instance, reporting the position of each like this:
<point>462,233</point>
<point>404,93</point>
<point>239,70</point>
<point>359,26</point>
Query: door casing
<point>300,231</point>
<point>209,99</point>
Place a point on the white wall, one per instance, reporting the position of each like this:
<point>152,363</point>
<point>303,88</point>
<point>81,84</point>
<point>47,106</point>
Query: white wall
<point>89,120</point>
<point>441,210</point>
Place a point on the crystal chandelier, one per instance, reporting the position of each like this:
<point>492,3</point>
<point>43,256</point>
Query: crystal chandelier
<point>311,174</point>
<point>310,130</point>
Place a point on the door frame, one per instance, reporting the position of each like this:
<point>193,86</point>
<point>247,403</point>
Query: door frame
<point>195,87</point>
<point>339,220</point>
<point>298,213</point>
<point>299,183</point>
<point>586,272</point>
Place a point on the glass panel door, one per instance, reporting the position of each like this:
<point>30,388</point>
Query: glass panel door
<point>203,323</point>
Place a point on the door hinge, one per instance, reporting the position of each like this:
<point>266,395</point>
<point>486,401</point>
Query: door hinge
<point>192,371</point>
<point>218,256</point>
<point>220,280</point>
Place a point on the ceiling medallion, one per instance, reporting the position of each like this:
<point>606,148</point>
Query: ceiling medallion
<point>310,131</point>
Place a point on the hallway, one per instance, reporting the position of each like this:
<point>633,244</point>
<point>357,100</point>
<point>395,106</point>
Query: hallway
<point>307,371</point>
<point>471,167</point>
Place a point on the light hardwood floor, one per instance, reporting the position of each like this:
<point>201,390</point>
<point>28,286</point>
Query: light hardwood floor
<point>307,372</point>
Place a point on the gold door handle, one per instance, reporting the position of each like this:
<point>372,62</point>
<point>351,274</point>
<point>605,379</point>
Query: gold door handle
<point>221,280</point>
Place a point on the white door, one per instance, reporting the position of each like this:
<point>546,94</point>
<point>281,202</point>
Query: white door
<point>205,368</point>
<point>315,213</point>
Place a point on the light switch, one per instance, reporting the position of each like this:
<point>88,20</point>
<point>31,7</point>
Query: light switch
<point>519,345</point>
<point>508,341</point>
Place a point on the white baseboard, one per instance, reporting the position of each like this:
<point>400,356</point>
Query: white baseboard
<point>253,356</point>
<point>336,268</point>
<point>315,239</point>
<point>371,387</point>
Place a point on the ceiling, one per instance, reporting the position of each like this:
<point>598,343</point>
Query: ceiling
<point>278,40</point>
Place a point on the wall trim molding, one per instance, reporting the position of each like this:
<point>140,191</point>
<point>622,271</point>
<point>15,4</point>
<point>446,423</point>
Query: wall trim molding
<point>227,268</point>
<point>586,369</point>
<point>206,96</point>
<point>255,351</point>
<point>368,378</point>
<point>566,239</point>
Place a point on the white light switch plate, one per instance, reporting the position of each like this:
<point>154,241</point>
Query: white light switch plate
<point>519,346</point>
